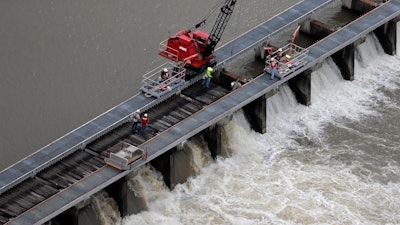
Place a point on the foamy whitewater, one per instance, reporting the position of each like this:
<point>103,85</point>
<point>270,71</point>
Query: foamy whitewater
<point>334,162</point>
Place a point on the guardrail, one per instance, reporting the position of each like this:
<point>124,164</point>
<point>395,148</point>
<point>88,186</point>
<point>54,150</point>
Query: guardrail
<point>168,52</point>
<point>289,58</point>
<point>155,83</point>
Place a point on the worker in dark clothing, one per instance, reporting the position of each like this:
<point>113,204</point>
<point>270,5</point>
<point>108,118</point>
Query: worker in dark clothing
<point>145,121</point>
<point>135,120</point>
<point>235,85</point>
<point>279,54</point>
<point>164,74</point>
<point>207,77</point>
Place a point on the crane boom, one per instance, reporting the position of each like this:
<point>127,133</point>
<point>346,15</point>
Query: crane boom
<point>219,26</point>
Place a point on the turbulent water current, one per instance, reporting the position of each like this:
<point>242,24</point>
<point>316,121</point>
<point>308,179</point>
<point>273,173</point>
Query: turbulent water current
<point>334,162</point>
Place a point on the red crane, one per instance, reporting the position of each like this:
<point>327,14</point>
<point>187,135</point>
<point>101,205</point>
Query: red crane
<point>196,49</point>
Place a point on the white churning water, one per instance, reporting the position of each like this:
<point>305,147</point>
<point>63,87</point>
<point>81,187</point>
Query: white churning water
<point>334,162</point>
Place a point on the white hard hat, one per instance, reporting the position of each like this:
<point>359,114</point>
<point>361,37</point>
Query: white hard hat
<point>210,69</point>
<point>232,83</point>
<point>145,115</point>
<point>280,49</point>
<point>165,70</point>
<point>138,111</point>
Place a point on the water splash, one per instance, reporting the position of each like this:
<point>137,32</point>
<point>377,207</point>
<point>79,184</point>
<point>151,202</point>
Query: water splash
<point>299,172</point>
<point>148,184</point>
<point>106,208</point>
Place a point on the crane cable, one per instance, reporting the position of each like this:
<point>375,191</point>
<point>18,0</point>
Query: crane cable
<point>236,27</point>
<point>212,10</point>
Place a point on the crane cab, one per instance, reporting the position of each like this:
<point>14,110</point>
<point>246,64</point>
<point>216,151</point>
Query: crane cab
<point>186,46</point>
<point>196,49</point>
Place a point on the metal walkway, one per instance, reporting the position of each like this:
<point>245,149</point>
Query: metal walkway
<point>194,124</point>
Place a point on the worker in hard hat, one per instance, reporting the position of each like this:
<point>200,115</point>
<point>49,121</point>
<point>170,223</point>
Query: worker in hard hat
<point>235,85</point>
<point>279,54</point>
<point>145,121</point>
<point>272,67</point>
<point>207,77</point>
<point>164,74</point>
<point>135,120</point>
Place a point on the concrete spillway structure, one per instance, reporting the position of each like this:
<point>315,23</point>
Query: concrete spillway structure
<point>256,90</point>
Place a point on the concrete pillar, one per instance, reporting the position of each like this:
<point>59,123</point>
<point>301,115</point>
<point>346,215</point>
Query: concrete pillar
<point>69,217</point>
<point>387,35</point>
<point>118,191</point>
<point>213,136</point>
<point>344,59</point>
<point>162,164</point>
<point>217,139</point>
<point>180,167</point>
<point>87,216</point>
<point>301,86</point>
<point>256,114</point>
<point>128,203</point>
<point>360,6</point>
<point>316,28</point>
<point>174,165</point>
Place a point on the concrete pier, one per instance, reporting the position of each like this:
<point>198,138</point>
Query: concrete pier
<point>344,59</point>
<point>174,165</point>
<point>217,139</point>
<point>387,35</point>
<point>68,217</point>
<point>301,86</point>
<point>256,112</point>
<point>118,191</point>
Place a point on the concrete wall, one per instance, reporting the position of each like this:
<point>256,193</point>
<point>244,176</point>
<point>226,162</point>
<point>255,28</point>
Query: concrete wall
<point>360,6</point>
